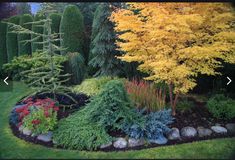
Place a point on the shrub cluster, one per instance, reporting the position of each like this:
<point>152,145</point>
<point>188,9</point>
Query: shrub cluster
<point>39,115</point>
<point>184,105</point>
<point>88,128</point>
<point>221,107</point>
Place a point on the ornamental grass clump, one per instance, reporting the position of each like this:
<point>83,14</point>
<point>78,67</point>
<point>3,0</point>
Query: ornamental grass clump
<point>146,95</point>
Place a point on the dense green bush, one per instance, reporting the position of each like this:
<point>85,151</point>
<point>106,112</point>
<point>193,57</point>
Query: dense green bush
<point>221,107</point>
<point>38,29</point>
<point>72,27</point>
<point>26,62</point>
<point>92,86</point>
<point>88,128</point>
<point>184,105</point>
<point>55,25</point>
<point>77,68</point>
<point>12,40</point>
<point>25,48</point>
<point>3,47</point>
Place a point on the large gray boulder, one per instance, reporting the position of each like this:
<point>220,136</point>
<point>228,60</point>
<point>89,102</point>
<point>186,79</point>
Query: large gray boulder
<point>230,127</point>
<point>174,134</point>
<point>188,132</point>
<point>45,137</point>
<point>120,143</point>
<point>219,129</point>
<point>132,142</point>
<point>202,132</point>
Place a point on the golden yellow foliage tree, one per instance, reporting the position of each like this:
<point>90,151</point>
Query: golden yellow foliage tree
<point>174,42</point>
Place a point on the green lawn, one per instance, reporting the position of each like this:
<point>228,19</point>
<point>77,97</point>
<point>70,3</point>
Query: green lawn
<point>12,147</point>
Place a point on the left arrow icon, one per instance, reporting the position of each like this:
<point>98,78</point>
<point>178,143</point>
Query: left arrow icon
<point>5,80</point>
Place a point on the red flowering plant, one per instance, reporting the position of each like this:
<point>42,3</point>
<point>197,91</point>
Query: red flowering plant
<point>39,115</point>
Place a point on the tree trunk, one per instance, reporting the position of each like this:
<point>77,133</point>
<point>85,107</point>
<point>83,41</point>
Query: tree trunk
<point>174,104</point>
<point>171,95</point>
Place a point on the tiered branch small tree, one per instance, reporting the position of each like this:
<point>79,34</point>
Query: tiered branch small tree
<point>175,42</point>
<point>47,78</point>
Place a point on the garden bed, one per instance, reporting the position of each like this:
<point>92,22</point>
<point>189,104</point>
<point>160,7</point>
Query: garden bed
<point>197,117</point>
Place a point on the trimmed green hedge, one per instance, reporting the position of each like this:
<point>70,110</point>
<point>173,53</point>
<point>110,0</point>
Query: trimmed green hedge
<point>25,49</point>
<point>72,29</point>
<point>3,46</point>
<point>55,25</point>
<point>37,29</point>
<point>12,40</point>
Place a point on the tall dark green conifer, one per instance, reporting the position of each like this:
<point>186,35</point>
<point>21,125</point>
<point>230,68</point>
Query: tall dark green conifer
<point>3,47</point>
<point>25,48</point>
<point>103,48</point>
<point>12,40</point>
<point>55,25</point>
<point>38,29</point>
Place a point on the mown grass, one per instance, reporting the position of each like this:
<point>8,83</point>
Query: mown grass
<point>13,147</point>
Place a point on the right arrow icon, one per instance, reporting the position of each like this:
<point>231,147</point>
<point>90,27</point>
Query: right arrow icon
<point>229,80</point>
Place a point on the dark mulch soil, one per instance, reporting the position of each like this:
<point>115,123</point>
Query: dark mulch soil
<point>198,116</point>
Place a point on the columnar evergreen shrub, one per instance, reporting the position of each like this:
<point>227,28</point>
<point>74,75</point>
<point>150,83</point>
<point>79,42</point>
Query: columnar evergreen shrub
<point>3,47</point>
<point>12,40</point>
<point>55,25</point>
<point>72,27</point>
<point>76,67</point>
<point>25,48</point>
<point>37,43</point>
<point>103,47</point>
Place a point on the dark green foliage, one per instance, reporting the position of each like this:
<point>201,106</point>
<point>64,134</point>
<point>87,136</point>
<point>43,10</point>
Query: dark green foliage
<point>184,105</point>
<point>103,48</point>
<point>23,8</point>
<point>76,132</point>
<point>25,48</point>
<point>88,128</point>
<point>155,125</point>
<point>72,29</point>
<point>76,67</point>
<point>55,25</point>
<point>38,29</point>
<point>3,47</point>
<point>12,40</point>
<point>221,107</point>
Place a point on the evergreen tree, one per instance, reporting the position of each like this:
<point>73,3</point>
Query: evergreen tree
<point>72,27</point>
<point>23,8</point>
<point>3,47</point>
<point>25,48</point>
<point>38,29</point>
<point>47,78</point>
<point>12,40</point>
<point>103,48</point>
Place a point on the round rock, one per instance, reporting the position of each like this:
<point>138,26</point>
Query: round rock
<point>188,132</point>
<point>106,145</point>
<point>219,129</point>
<point>160,140</point>
<point>174,134</point>
<point>132,142</point>
<point>45,137</point>
<point>202,132</point>
<point>230,127</point>
<point>120,143</point>
<point>27,132</point>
